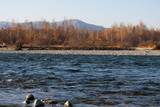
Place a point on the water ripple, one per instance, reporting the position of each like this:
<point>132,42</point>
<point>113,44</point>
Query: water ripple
<point>85,80</point>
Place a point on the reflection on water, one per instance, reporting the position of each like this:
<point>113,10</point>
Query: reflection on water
<point>86,81</point>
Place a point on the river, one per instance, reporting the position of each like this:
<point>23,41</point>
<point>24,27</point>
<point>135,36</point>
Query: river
<point>85,80</point>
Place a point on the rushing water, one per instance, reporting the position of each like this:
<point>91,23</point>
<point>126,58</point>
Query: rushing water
<point>86,81</point>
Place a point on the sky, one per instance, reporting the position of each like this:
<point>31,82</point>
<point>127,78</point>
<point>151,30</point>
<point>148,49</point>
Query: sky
<point>99,12</point>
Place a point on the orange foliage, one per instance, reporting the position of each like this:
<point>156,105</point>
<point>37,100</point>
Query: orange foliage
<point>91,36</point>
<point>68,35</point>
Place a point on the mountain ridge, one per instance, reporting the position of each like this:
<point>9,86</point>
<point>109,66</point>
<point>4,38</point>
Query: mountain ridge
<point>75,22</point>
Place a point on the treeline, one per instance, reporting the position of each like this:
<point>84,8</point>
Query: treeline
<point>67,35</point>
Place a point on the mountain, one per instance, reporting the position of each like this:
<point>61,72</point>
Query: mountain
<point>80,24</point>
<point>4,24</point>
<point>75,22</point>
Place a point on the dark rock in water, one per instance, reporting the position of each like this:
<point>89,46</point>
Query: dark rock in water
<point>68,104</point>
<point>38,103</point>
<point>26,102</point>
<point>49,102</point>
<point>30,97</point>
<point>52,102</point>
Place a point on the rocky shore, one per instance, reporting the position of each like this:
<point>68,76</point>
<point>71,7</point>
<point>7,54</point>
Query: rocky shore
<point>85,52</point>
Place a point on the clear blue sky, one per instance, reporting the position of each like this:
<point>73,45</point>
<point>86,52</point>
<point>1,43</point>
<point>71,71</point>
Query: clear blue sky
<point>99,12</point>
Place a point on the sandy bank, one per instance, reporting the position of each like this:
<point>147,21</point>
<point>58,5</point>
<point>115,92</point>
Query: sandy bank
<point>86,52</point>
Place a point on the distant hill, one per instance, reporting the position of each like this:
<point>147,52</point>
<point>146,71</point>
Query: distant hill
<point>75,22</point>
<point>4,24</point>
<point>80,24</point>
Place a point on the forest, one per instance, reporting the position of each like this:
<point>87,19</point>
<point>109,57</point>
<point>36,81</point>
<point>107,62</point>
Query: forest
<point>120,36</point>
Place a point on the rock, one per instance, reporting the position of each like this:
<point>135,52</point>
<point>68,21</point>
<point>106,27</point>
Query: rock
<point>38,103</point>
<point>67,104</point>
<point>52,102</point>
<point>30,97</point>
<point>26,102</point>
<point>49,102</point>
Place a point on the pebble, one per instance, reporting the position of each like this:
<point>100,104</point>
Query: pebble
<point>67,104</point>
<point>38,103</point>
<point>30,97</point>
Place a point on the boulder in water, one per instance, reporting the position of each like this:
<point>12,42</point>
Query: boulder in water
<point>30,97</point>
<point>49,102</point>
<point>26,102</point>
<point>67,104</point>
<point>38,103</point>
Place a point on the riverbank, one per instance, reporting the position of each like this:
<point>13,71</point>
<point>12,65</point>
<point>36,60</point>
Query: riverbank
<point>85,52</point>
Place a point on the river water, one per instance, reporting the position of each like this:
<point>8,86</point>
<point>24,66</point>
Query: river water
<point>85,80</point>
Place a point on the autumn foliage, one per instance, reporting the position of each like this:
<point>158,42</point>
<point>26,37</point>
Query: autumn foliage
<point>67,35</point>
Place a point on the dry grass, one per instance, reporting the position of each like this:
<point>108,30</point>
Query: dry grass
<point>11,46</point>
<point>144,48</point>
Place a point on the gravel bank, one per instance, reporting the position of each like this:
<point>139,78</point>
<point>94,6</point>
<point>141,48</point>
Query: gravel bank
<point>86,52</point>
